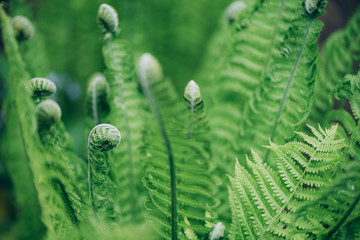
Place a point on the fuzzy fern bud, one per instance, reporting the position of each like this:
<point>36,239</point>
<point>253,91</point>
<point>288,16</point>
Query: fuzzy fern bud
<point>149,69</point>
<point>192,93</point>
<point>42,87</point>
<point>233,11</point>
<point>217,232</point>
<point>104,137</point>
<point>24,30</point>
<point>48,113</point>
<point>107,18</point>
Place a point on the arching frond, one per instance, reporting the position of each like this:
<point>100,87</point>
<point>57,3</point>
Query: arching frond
<point>263,199</point>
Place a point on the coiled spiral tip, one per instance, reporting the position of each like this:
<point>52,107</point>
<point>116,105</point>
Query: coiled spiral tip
<point>48,112</point>
<point>104,137</point>
<point>96,97</point>
<point>233,11</point>
<point>149,69</point>
<point>42,87</point>
<point>24,30</point>
<point>107,18</point>
<point>192,93</point>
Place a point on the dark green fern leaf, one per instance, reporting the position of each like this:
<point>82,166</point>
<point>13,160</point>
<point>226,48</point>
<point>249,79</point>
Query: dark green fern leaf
<point>333,214</point>
<point>338,57</point>
<point>264,199</point>
<point>348,90</point>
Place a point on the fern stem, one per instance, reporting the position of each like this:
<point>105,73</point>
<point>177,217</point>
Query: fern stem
<point>165,137</point>
<point>343,219</point>
<point>287,90</point>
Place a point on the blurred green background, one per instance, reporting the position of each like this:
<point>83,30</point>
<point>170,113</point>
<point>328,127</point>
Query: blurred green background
<point>176,32</point>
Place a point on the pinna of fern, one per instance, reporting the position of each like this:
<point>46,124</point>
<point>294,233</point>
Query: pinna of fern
<point>174,154</point>
<point>263,201</point>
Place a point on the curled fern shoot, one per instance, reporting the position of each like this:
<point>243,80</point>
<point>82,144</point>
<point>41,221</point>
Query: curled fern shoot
<point>42,87</point>
<point>97,104</point>
<point>107,18</point>
<point>264,199</point>
<point>102,138</point>
<point>23,28</point>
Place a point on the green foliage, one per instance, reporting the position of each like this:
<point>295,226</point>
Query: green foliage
<point>259,73</point>
<point>339,56</point>
<point>264,199</point>
<point>335,209</point>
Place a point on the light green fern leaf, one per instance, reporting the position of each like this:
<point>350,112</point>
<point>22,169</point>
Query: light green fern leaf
<point>281,104</point>
<point>263,199</point>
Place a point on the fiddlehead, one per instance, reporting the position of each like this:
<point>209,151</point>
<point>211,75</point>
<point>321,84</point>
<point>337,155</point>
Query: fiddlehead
<point>97,105</point>
<point>42,87</point>
<point>23,28</point>
<point>107,18</point>
<point>102,138</point>
<point>48,112</point>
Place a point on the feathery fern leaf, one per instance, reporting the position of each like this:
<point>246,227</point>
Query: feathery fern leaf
<point>283,101</point>
<point>264,199</point>
<point>181,150</point>
<point>254,48</point>
<point>338,56</point>
<point>127,114</point>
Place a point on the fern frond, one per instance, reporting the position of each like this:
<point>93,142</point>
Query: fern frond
<point>259,42</point>
<point>127,113</point>
<point>338,56</point>
<point>283,101</point>
<point>178,202</point>
<point>19,144</point>
<point>333,214</point>
<point>263,199</point>
<point>45,182</point>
